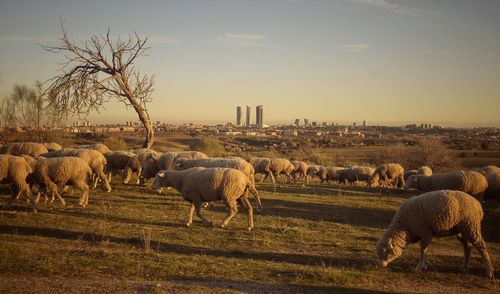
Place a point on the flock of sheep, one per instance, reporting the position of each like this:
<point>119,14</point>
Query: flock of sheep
<point>450,207</point>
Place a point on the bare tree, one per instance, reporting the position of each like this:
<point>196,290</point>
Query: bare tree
<point>6,119</point>
<point>99,69</point>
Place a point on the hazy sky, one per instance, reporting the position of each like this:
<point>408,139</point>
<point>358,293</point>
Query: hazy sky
<point>386,61</point>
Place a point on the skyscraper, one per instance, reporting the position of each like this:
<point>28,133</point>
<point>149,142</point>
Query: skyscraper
<point>248,116</point>
<point>297,121</point>
<point>238,115</point>
<point>259,112</point>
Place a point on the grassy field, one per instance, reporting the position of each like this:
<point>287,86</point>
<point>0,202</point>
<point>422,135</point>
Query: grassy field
<point>306,239</point>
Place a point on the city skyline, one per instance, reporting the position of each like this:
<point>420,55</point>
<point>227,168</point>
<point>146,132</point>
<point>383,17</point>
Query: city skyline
<point>390,62</point>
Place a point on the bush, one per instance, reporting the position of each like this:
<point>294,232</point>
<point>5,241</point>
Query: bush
<point>115,143</point>
<point>210,146</point>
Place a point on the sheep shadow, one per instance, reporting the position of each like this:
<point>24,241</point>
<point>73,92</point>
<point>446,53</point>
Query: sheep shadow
<point>300,259</point>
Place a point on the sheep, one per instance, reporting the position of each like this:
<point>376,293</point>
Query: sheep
<point>354,173</point>
<point>279,166</point>
<point>149,161</point>
<point>300,169</point>
<point>24,148</point>
<point>332,173</point>
<point>441,213</point>
<point>123,161</point>
<point>167,159</point>
<point>493,190</point>
<point>93,158</point>
<point>409,173</point>
<point>52,146</point>
<point>31,161</point>
<point>262,166</point>
<point>424,170</point>
<point>386,172</point>
<point>239,164</point>
<point>14,171</point>
<point>470,182</point>
<point>489,169</point>
<point>198,185</point>
<point>59,171</point>
<point>98,146</point>
<point>318,171</point>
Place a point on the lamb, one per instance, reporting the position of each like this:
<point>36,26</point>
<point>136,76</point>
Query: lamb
<point>424,170</point>
<point>24,148</point>
<point>300,169</point>
<point>198,185</point>
<point>98,146</point>
<point>440,213</point>
<point>493,190</point>
<point>316,171</point>
<point>59,171</point>
<point>93,158</point>
<point>14,171</point>
<point>279,166</point>
<point>470,182</point>
<point>52,146</point>
<point>167,159</point>
<point>387,172</point>
<point>125,162</point>
<point>239,164</point>
<point>490,169</point>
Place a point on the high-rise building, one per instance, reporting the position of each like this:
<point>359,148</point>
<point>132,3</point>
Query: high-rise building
<point>297,121</point>
<point>306,122</point>
<point>364,123</point>
<point>248,116</point>
<point>238,115</point>
<point>259,115</point>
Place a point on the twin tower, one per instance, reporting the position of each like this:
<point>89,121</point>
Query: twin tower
<point>259,111</point>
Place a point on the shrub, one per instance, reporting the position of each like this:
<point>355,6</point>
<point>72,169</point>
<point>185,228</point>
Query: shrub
<point>115,143</point>
<point>210,146</point>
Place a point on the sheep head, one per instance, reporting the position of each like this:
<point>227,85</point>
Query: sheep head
<point>412,182</point>
<point>390,246</point>
<point>160,180</point>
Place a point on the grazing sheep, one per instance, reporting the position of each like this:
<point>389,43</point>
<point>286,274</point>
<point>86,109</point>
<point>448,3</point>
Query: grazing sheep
<point>167,159</point>
<point>279,166</point>
<point>13,171</point>
<point>493,190</point>
<point>31,161</point>
<point>198,185</point>
<point>470,182</point>
<point>424,170</point>
<point>409,173</point>
<point>354,174</point>
<point>239,164</point>
<point>490,169</point>
<point>98,146</point>
<point>318,171</point>
<point>25,148</point>
<point>440,213</point>
<point>300,169</point>
<point>262,166</point>
<point>387,172</point>
<point>125,162</point>
<point>60,171</point>
<point>332,173</point>
<point>149,161</point>
<point>93,158</point>
<point>52,146</point>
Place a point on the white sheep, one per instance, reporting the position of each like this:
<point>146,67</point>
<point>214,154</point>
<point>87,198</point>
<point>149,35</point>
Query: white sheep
<point>98,146</point>
<point>239,164</point>
<point>387,173</point>
<point>424,170</point>
<point>60,171</point>
<point>470,182</point>
<point>52,146</point>
<point>198,185</point>
<point>24,148</point>
<point>14,171</point>
<point>314,170</point>
<point>490,169</point>
<point>167,159</point>
<point>440,213</point>
<point>149,162</point>
<point>300,169</point>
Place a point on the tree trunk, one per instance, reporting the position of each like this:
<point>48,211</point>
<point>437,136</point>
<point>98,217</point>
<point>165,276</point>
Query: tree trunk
<point>146,121</point>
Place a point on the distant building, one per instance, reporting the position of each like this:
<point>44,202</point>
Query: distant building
<point>238,115</point>
<point>306,122</point>
<point>297,121</point>
<point>259,113</point>
<point>314,123</point>
<point>248,116</point>
<point>364,124</point>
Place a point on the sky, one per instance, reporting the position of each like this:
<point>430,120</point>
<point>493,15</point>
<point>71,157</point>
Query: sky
<point>385,61</point>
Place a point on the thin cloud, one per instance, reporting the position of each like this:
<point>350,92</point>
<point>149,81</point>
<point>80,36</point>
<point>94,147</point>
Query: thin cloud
<point>354,47</point>
<point>392,7</point>
<point>159,39</point>
<point>245,39</point>
<point>23,39</point>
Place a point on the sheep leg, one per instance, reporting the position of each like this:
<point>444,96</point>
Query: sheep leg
<point>53,189</point>
<point>197,206</point>
<point>263,178</point>
<point>102,176</point>
<point>139,172</point>
<point>84,199</point>
<point>94,180</point>
<point>466,245</point>
<point>481,247</point>
<point>232,210</point>
<point>190,215</point>
<point>274,178</point>
<point>243,201</point>
<point>424,245</point>
<point>127,174</point>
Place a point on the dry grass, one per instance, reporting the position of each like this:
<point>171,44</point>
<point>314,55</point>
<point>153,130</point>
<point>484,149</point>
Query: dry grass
<point>307,239</point>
